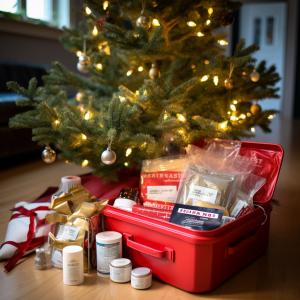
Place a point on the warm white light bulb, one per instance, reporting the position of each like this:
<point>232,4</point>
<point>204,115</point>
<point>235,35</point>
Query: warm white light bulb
<point>84,163</point>
<point>191,24</point>
<point>180,117</point>
<point>88,10</point>
<point>204,78</point>
<point>235,102</point>
<point>155,23</point>
<point>140,68</point>
<point>223,125</point>
<point>271,117</point>
<point>129,72</point>
<point>208,22</point>
<point>105,5</point>
<point>56,122</point>
<point>222,42</point>
<point>83,137</point>
<point>95,31</point>
<point>216,80</point>
<point>210,11</point>
<point>252,129</point>
<point>128,152</point>
<point>99,66</point>
<point>232,107</point>
<point>200,34</point>
<point>87,115</point>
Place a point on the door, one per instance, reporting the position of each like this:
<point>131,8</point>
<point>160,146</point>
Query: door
<point>265,25</point>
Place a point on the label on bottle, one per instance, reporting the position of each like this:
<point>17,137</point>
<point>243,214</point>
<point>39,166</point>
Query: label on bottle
<point>141,283</point>
<point>73,272</point>
<point>105,254</point>
<point>120,274</point>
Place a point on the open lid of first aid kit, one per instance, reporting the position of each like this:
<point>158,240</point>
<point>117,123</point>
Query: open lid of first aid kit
<point>270,158</point>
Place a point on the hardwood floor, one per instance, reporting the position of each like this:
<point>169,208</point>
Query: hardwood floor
<point>273,276</point>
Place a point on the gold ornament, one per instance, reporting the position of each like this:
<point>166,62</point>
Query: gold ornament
<point>108,156</point>
<point>83,63</point>
<point>48,155</point>
<point>154,71</point>
<point>228,83</point>
<point>255,108</point>
<point>254,76</point>
<point>143,22</point>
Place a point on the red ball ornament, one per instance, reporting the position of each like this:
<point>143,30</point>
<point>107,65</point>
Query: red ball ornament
<point>100,23</point>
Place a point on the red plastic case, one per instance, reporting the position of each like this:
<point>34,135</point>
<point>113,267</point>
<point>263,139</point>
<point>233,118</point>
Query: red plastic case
<point>199,261</point>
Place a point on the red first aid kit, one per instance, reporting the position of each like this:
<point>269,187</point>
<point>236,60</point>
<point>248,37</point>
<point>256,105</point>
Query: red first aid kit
<point>199,261</point>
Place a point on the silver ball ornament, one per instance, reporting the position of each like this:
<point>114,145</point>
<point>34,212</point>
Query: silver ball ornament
<point>83,63</point>
<point>254,76</point>
<point>143,22</point>
<point>108,157</point>
<point>154,72</point>
<point>48,155</point>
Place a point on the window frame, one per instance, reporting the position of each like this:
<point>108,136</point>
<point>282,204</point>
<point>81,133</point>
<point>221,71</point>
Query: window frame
<point>21,14</point>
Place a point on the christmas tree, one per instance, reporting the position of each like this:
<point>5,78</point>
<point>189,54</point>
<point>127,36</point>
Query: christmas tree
<point>155,78</point>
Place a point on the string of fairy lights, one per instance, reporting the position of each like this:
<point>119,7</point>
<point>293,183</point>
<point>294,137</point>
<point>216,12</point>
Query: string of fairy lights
<point>84,65</point>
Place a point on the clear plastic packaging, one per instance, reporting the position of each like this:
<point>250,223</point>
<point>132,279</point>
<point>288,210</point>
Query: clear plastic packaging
<point>200,187</point>
<point>218,177</point>
<point>248,187</point>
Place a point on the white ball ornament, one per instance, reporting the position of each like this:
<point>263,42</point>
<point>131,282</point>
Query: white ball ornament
<point>108,156</point>
<point>144,22</point>
<point>154,72</point>
<point>83,63</point>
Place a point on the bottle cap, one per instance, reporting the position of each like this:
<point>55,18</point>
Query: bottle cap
<point>108,237</point>
<point>120,262</point>
<point>67,183</point>
<point>141,272</point>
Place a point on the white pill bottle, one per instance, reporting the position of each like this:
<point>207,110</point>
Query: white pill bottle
<point>108,248</point>
<point>73,265</point>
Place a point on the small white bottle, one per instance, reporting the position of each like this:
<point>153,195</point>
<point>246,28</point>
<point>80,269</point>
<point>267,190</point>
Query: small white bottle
<point>108,248</point>
<point>141,278</point>
<point>127,199</point>
<point>73,265</point>
<point>120,270</point>
<point>67,183</point>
